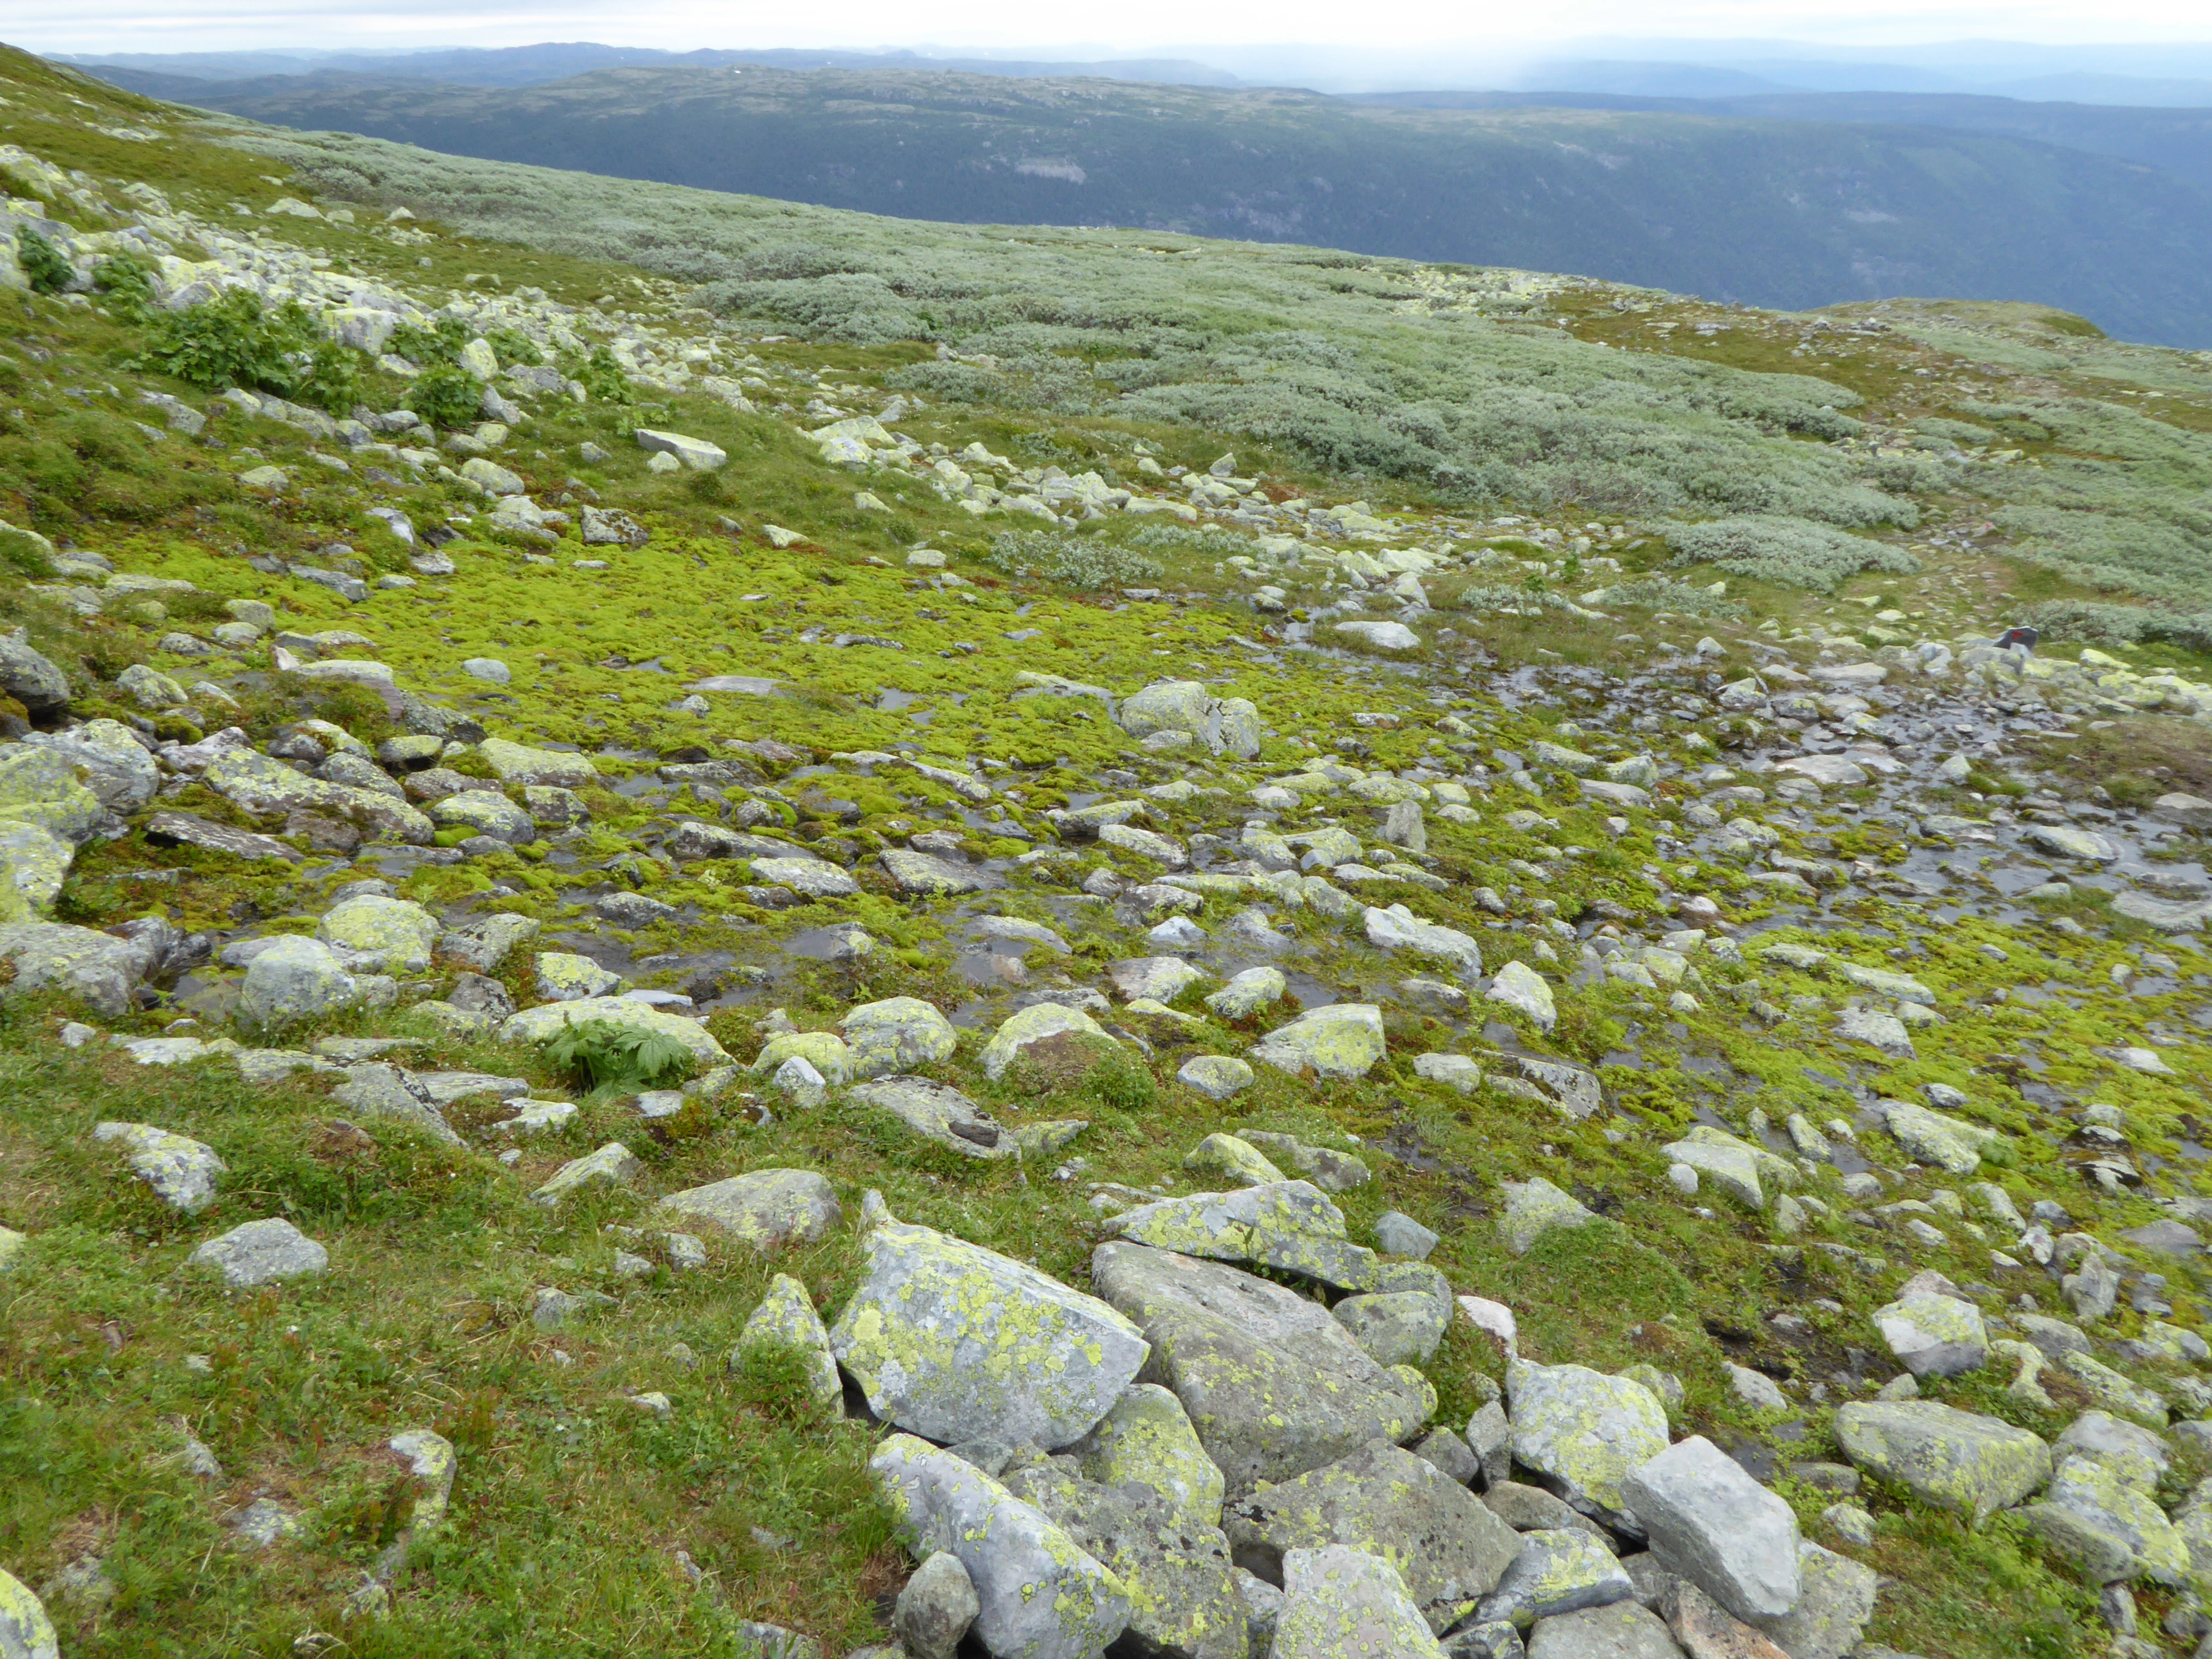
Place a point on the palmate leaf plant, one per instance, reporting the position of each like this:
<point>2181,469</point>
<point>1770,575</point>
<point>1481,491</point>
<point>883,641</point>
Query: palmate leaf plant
<point>606,1058</point>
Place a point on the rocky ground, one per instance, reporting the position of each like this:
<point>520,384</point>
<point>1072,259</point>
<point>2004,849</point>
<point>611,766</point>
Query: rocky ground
<point>634,1023</point>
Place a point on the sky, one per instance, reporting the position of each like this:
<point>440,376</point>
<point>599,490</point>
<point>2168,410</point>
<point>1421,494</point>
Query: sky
<point>1131,27</point>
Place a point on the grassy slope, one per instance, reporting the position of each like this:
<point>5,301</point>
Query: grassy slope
<point>1777,213</point>
<point>570,1498</point>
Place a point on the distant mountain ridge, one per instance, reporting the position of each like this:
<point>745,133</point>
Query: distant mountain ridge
<point>1711,199</point>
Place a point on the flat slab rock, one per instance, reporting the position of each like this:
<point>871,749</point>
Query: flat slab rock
<point>938,1112</point>
<point>766,1208</point>
<point>1953,1459</point>
<point>955,1342</point>
<point>1273,1384</point>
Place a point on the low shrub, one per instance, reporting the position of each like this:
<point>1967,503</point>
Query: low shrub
<point>1793,552</point>
<point>1070,559</point>
<point>234,340</point>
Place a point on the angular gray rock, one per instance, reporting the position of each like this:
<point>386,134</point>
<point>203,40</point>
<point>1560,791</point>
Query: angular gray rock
<point>1622,1631</point>
<point>1039,1593</point>
<point>294,979</point>
<point>1835,1602</point>
<point>262,1251</point>
<point>1710,1523</point>
<point>937,1112</point>
<point>1953,1459</point>
<point>1559,1569</point>
<point>1448,1546</point>
<point>1288,1226</point>
<point>1582,1429</point>
<point>180,1171</point>
<point>1934,1335</point>
<point>936,1608</point>
<point>1399,1328</point>
<point>1182,1589</point>
<point>955,1342</point>
<point>1339,1601</point>
<point>1274,1386</point>
<point>786,1320</point>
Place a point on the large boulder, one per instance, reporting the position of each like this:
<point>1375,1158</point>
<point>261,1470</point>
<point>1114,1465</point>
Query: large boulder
<point>1186,705</point>
<point>2108,1526</point>
<point>1953,1459</point>
<point>1146,1437</point>
<point>1582,1429</point>
<point>1342,1040</point>
<point>109,759</point>
<point>955,1342</point>
<point>1933,1335</point>
<point>1710,1523</point>
<point>372,934</point>
<point>1286,1225</point>
<point>1340,1602</point>
<point>940,1113</point>
<point>1272,1385</point>
<point>98,968</point>
<point>1040,1594</point>
<point>38,785</point>
<point>765,1208</point>
<point>1182,1589</point>
<point>1448,1547</point>
<point>295,978</point>
<point>896,1034</point>
<point>270,789</point>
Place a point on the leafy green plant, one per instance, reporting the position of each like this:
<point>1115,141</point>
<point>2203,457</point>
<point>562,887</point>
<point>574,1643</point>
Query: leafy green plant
<point>603,378</point>
<point>44,267</point>
<point>441,343</point>
<point>445,394</point>
<point>513,346</point>
<point>127,282</point>
<point>601,1055</point>
<point>234,340</point>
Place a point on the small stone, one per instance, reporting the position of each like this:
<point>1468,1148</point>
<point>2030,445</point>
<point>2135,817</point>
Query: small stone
<point>1400,1235</point>
<point>935,1609</point>
<point>260,1252</point>
<point>1217,1077</point>
<point>1850,1522</point>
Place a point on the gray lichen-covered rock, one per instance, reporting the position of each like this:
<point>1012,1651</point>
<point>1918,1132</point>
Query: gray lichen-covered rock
<point>1624,1630</point>
<point>896,1036</point>
<point>1038,1023</point>
<point>487,811</point>
<point>565,976</point>
<point>1446,1544</point>
<point>1398,1327</point>
<point>936,1608</point>
<point>1227,1157</point>
<point>1340,1602</point>
<point>25,1633</point>
<point>517,763</point>
<point>611,1165</point>
<point>1272,1385</point>
<point>1286,1225</point>
<point>269,789</point>
<point>786,1321</point>
<point>2137,1454</point>
<point>109,760</point>
<point>98,969</point>
<point>482,944</point>
<point>295,979</point>
<point>30,677</point>
<point>1584,1430</point>
<point>937,1112</point>
<point>764,1208</point>
<point>261,1251</point>
<point>1039,1593</point>
<point>1834,1603</point>
<point>1146,1437</point>
<point>375,935</point>
<point>1950,1144</point>
<point>1934,1335</point>
<point>1177,1573</point>
<point>1340,1040</point>
<point>2108,1527</point>
<point>1710,1523</point>
<point>1557,1570</point>
<point>378,1090</point>
<point>1954,1459</point>
<point>180,1171</point>
<point>1533,1208</point>
<point>955,1342</point>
